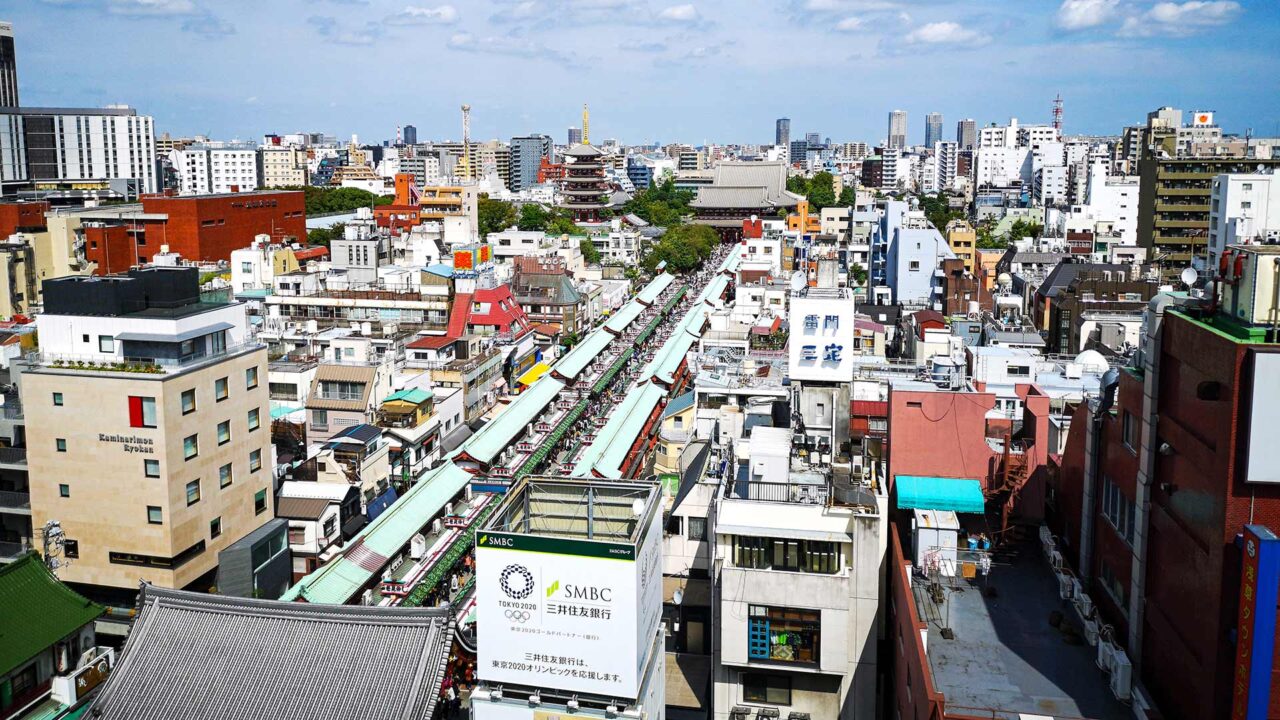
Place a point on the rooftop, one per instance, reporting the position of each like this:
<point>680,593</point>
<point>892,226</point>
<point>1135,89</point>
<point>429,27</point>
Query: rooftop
<point>1005,655</point>
<point>234,658</point>
<point>584,510</point>
<point>36,611</point>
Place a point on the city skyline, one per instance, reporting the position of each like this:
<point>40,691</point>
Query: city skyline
<point>1112,60</point>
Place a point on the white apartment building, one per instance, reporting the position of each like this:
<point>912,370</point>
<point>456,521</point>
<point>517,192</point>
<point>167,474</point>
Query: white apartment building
<point>1242,209</point>
<point>1051,186</point>
<point>205,169</point>
<point>1004,153</point>
<point>77,145</point>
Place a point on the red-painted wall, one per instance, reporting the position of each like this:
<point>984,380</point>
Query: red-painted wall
<point>939,434</point>
<point>914,696</point>
<point>21,215</point>
<point>111,247</point>
<point>209,227</point>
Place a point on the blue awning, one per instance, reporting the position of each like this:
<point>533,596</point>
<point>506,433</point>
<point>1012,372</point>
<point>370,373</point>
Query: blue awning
<point>939,493</point>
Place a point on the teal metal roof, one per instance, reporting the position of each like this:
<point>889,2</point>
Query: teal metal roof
<point>655,288</point>
<point>416,396</point>
<point>578,358</point>
<point>339,581</point>
<point>672,354</point>
<point>678,404</point>
<point>485,445</point>
<point>629,425</point>
<point>732,260</point>
<point>626,413</point>
<point>625,316</point>
<point>939,493</point>
<point>714,289</point>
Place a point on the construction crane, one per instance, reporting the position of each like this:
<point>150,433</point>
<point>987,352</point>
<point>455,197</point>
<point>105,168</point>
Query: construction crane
<point>464,170</point>
<point>586,125</point>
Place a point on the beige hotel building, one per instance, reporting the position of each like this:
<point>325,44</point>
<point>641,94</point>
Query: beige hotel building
<point>148,428</point>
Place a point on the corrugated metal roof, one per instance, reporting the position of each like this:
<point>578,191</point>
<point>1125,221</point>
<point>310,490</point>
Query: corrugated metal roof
<point>485,445</point>
<point>630,424</point>
<point>238,658</point>
<point>655,288</point>
<point>577,359</point>
<point>365,374</point>
<point>36,611</point>
<point>297,508</point>
<point>624,317</point>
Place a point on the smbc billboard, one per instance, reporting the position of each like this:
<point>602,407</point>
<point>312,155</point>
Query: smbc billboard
<point>574,615</point>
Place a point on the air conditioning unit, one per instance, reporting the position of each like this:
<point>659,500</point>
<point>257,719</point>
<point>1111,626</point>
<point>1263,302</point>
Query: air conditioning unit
<point>1055,559</point>
<point>1106,650</point>
<point>1084,605</point>
<point>1065,586</point>
<point>1050,548</point>
<point>1091,631</point>
<point>1121,676</point>
<point>1075,590</point>
<point>1046,536</point>
<point>366,598</point>
<point>436,526</point>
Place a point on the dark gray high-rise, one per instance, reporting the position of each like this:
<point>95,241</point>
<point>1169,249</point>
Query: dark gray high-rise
<point>967,134</point>
<point>527,153</point>
<point>782,132</point>
<point>410,135</point>
<point>8,67</point>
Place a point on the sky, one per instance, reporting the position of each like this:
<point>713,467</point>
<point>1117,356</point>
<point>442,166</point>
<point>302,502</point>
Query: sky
<point>651,70</point>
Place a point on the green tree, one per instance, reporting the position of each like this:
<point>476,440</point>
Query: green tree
<point>322,236</point>
<point>562,224</point>
<point>589,251</point>
<point>858,273</point>
<point>661,204</point>
<point>533,217</point>
<point>1024,228</point>
<point>822,191</point>
<point>325,200</point>
<point>494,215</point>
<point>798,184</point>
<point>683,248</point>
<point>987,240</point>
<point>848,197</point>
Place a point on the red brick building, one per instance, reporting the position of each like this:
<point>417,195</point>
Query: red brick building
<point>199,227</point>
<point>22,216</point>
<point>1152,493</point>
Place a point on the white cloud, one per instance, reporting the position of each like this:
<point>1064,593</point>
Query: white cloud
<point>506,45</point>
<point>849,24</point>
<point>415,15</point>
<point>1181,19</point>
<point>945,33</point>
<point>151,7</point>
<point>340,33</point>
<point>208,26</point>
<point>835,6</point>
<point>679,13</point>
<point>1081,14</point>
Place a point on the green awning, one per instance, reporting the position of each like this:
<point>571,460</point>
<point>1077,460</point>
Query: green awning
<point>939,493</point>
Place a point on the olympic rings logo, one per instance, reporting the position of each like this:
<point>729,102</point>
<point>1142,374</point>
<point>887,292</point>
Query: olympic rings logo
<point>516,581</point>
<point>520,616</point>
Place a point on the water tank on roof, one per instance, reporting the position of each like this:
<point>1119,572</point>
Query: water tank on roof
<point>1092,360</point>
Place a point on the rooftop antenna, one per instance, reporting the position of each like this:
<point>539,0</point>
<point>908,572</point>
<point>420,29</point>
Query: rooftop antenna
<point>466,142</point>
<point>586,125</point>
<point>1057,113</point>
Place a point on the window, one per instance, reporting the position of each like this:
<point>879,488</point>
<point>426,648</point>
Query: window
<point>1019,370</point>
<point>915,265</point>
<point>71,548</point>
<point>251,378</point>
<point>768,689</point>
<point>193,492</point>
<point>750,552</point>
<point>57,399</point>
<point>1118,509</point>
<point>188,401</point>
<point>330,526</point>
<point>220,389</point>
<point>142,411</point>
<point>151,468</point>
<point>783,634</point>
<point>64,490</point>
<point>190,446</point>
<point>60,444</point>
<point>106,344</point>
<point>297,535</point>
<point>697,528</point>
<point>224,475</point>
<point>246,267</point>
<point>339,390</point>
<point>320,419</point>
<point>259,502</point>
<point>810,556</point>
<point>255,461</point>
<point>154,515</point>
<point>215,527</point>
<point>253,419</point>
<point>224,432</point>
<point>1129,430</point>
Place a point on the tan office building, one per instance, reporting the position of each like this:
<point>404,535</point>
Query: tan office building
<point>149,428</point>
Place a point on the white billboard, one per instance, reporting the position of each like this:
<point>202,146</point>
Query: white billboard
<point>573,615</point>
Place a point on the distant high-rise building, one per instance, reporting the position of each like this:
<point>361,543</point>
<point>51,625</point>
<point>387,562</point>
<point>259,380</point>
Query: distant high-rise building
<point>8,67</point>
<point>410,135</point>
<point>798,150</point>
<point>575,136</point>
<point>932,129</point>
<point>527,153</point>
<point>79,145</point>
<point>897,129</point>
<point>813,139</point>
<point>782,132</point>
<point>967,134</point>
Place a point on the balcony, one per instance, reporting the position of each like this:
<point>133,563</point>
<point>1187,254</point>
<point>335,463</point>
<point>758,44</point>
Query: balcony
<point>14,458</point>
<point>15,502</point>
<point>10,551</point>
<point>62,362</point>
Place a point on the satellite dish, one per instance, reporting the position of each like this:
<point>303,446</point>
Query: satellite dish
<point>798,280</point>
<point>1190,276</point>
<point>1005,279</point>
